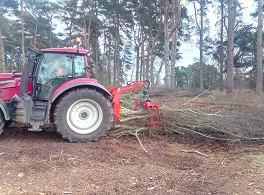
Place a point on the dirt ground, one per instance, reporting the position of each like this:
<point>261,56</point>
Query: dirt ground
<point>43,163</point>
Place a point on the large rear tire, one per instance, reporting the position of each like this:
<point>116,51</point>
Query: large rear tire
<point>2,121</point>
<point>83,115</point>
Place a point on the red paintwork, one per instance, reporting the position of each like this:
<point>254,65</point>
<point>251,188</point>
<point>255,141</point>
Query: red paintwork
<point>148,105</point>
<point>116,93</point>
<point>10,86</point>
<point>66,50</point>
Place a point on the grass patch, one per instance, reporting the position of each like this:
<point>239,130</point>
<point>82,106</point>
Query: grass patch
<point>258,161</point>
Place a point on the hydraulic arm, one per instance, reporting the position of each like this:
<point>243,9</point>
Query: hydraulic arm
<point>145,103</point>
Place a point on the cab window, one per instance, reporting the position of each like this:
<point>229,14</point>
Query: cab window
<point>79,66</point>
<point>55,69</point>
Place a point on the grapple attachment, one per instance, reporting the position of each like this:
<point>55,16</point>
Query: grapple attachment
<point>145,103</point>
<point>153,110</point>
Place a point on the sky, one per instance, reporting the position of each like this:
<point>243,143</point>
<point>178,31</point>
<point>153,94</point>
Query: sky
<point>190,51</point>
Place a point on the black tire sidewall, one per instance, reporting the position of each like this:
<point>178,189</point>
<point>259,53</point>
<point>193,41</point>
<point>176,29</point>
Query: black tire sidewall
<point>2,121</point>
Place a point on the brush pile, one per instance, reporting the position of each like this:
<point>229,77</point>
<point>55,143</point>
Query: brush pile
<point>208,114</point>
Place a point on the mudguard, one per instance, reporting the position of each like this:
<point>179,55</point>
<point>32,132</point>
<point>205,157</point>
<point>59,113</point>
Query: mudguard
<point>4,109</point>
<point>71,85</point>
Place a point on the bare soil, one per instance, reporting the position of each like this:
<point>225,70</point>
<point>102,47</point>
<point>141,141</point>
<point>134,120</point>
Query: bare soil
<point>43,163</point>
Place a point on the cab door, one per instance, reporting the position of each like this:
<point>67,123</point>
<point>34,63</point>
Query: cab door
<point>54,69</point>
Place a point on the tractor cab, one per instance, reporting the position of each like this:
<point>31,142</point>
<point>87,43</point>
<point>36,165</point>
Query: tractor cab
<point>52,67</point>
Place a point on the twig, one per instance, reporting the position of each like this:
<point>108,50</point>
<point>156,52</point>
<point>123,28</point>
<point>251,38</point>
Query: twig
<point>134,118</point>
<point>127,112</point>
<point>201,134</point>
<point>124,127</point>
<point>136,134</point>
<point>196,152</point>
<point>238,138</point>
<point>130,132</point>
<point>207,114</point>
<point>220,110</point>
<point>195,98</point>
<point>120,133</point>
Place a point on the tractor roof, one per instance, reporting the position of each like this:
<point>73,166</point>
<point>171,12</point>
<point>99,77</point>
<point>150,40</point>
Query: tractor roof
<point>66,50</point>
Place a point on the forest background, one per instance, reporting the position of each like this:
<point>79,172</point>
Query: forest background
<point>131,39</point>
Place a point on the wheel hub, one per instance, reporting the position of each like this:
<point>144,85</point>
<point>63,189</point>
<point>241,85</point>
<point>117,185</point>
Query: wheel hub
<point>84,116</point>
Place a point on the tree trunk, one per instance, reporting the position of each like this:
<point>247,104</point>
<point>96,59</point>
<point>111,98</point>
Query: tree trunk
<point>175,21</point>
<point>152,59</point>
<point>201,46</point>
<point>50,31</point>
<point>84,32</point>
<point>158,73</point>
<point>230,47</point>
<point>2,55</point>
<point>109,68</point>
<point>173,58</point>
<point>148,56</point>
<point>84,25</point>
<point>259,80</point>
<point>35,34</point>
<point>23,36</point>
<point>167,45</point>
<point>137,63</point>
<point>96,60</point>
<point>88,35</point>
<point>142,69</point>
<point>117,52</point>
<point>115,66</point>
<point>221,48</point>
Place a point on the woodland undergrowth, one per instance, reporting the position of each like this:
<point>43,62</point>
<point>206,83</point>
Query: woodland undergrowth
<point>210,115</point>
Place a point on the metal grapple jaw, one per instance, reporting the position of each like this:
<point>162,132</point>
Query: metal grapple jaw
<point>153,110</point>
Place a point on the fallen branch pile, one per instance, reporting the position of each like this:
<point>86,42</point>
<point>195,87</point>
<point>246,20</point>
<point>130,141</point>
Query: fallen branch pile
<point>205,114</point>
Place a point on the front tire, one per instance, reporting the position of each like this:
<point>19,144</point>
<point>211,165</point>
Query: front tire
<point>83,115</point>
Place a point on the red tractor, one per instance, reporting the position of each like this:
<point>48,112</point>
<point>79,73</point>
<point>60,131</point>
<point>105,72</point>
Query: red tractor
<point>55,88</point>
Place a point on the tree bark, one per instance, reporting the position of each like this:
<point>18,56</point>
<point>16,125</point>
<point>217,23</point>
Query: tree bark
<point>221,48</point>
<point>137,63</point>
<point>176,22</point>
<point>168,32</point>
<point>259,69</point>
<point>109,68</point>
<point>173,58</point>
<point>50,31</point>
<point>167,44</point>
<point>23,36</point>
<point>230,47</point>
<point>200,29</point>
<point>2,55</point>
<point>201,47</point>
<point>142,69</point>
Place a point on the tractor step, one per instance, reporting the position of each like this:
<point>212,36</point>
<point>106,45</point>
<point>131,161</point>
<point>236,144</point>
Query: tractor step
<point>38,116</point>
<point>35,126</point>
